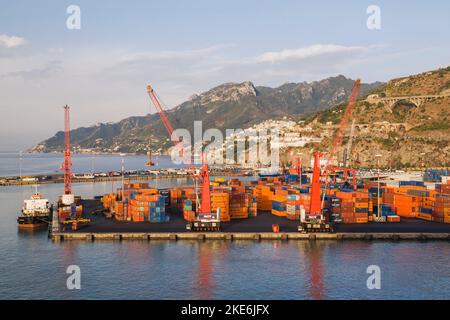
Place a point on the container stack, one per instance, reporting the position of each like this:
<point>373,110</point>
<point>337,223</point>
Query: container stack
<point>425,214</point>
<point>443,188</point>
<point>157,210</point>
<point>294,207</point>
<point>108,200</point>
<point>279,205</point>
<point>441,211</point>
<point>221,200</point>
<point>178,196</point>
<point>72,211</point>
<point>120,210</point>
<point>239,205</point>
<point>252,206</point>
<point>352,207</point>
<point>188,210</point>
<point>148,207</point>
<point>406,205</point>
<point>264,196</point>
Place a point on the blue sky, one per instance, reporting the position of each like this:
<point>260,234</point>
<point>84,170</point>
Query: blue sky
<point>186,47</point>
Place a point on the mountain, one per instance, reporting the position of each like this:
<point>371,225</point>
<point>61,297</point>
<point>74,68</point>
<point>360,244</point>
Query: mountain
<point>228,106</point>
<point>407,133</point>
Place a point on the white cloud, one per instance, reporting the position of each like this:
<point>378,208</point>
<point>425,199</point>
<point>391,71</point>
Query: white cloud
<point>11,41</point>
<point>306,52</point>
<point>174,54</point>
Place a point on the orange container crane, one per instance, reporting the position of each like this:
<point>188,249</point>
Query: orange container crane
<point>205,205</point>
<point>158,105</point>
<point>315,220</point>
<point>212,223</point>
<point>66,166</point>
<point>315,205</point>
<point>337,142</point>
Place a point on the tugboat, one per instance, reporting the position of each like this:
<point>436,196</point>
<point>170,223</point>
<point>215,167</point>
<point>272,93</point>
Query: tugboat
<point>36,213</point>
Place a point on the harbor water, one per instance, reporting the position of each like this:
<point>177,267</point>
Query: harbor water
<point>14,164</point>
<point>33,267</point>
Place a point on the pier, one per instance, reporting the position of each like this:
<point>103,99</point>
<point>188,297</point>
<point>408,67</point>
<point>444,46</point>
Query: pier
<point>251,236</point>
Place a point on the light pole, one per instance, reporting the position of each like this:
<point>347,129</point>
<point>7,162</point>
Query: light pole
<point>123,175</point>
<point>378,156</point>
<point>300,169</point>
<point>92,165</point>
<point>20,165</point>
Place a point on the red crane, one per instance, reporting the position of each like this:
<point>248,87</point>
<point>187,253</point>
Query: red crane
<point>205,205</point>
<point>337,142</point>
<point>315,214</point>
<point>159,108</point>
<point>67,164</point>
<point>315,205</point>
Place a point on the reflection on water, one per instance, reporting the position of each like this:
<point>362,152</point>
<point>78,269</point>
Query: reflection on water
<point>312,250</point>
<point>34,267</point>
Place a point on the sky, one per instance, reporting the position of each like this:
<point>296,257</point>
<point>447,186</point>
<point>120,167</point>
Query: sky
<point>187,47</point>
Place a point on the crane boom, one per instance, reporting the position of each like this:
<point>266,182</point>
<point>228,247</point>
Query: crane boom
<point>337,142</point>
<point>349,145</point>
<point>205,204</point>
<point>158,105</point>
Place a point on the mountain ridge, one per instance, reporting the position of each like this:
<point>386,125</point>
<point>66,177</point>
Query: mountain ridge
<point>226,106</point>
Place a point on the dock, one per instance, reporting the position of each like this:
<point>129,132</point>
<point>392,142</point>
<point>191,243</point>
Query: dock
<point>250,236</point>
<point>252,229</point>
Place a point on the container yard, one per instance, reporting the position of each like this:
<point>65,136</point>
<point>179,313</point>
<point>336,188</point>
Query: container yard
<point>327,199</point>
<point>249,210</point>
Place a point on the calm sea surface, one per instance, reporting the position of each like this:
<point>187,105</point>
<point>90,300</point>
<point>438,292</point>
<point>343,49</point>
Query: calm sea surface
<point>31,266</point>
<point>12,164</point>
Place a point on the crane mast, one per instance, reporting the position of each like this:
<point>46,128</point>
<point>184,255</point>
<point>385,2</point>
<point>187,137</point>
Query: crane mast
<point>67,164</point>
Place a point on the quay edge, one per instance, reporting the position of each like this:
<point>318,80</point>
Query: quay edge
<point>254,236</point>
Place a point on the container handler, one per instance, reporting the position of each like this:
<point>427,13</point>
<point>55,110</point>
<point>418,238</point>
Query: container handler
<point>314,220</point>
<point>205,219</point>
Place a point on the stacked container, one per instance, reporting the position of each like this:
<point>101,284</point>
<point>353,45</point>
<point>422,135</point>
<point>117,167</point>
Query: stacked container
<point>279,206</point>
<point>108,200</point>
<point>406,205</point>
<point>294,207</point>
<point>239,204</point>
<point>188,210</point>
<point>264,196</point>
<point>120,210</point>
<point>221,200</point>
<point>157,210</point>
<point>442,209</point>
<point>353,207</point>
